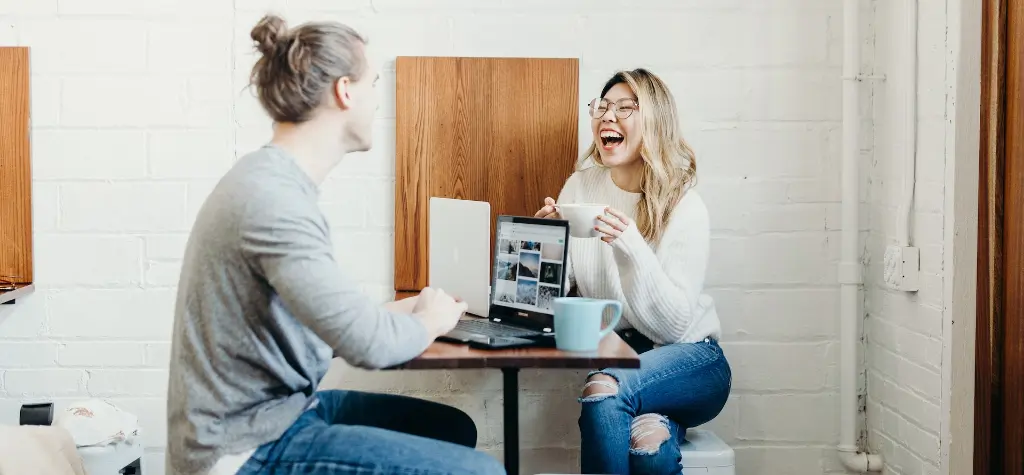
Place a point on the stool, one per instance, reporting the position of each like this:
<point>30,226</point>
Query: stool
<point>704,453</point>
<point>123,458</point>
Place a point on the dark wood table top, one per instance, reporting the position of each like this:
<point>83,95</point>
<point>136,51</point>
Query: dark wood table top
<point>611,353</point>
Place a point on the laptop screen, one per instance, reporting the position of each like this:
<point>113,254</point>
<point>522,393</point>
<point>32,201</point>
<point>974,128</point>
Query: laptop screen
<point>529,266</point>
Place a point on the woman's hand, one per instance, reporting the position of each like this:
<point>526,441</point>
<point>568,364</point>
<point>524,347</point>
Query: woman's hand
<point>614,225</point>
<point>548,211</point>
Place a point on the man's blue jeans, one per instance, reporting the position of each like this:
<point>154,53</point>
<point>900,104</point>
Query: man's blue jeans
<point>351,432</point>
<point>682,385</point>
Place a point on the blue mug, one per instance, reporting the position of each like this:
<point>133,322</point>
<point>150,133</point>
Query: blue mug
<point>578,322</point>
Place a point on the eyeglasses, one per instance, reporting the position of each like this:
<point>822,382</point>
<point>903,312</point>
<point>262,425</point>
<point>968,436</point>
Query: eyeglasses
<point>622,108</point>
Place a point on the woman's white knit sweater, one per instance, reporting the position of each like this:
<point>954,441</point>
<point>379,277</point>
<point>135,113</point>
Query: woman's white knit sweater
<point>661,288</point>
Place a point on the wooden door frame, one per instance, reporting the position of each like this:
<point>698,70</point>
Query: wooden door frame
<point>999,352</point>
<point>987,406</point>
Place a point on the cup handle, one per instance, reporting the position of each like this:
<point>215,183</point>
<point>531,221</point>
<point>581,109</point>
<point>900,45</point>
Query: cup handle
<point>615,320</point>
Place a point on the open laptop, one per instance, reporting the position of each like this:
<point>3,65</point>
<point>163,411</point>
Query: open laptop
<point>459,237</point>
<point>528,274</point>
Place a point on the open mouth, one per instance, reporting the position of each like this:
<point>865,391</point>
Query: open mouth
<point>610,139</point>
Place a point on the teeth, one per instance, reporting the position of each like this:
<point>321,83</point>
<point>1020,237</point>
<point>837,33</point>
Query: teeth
<point>608,133</point>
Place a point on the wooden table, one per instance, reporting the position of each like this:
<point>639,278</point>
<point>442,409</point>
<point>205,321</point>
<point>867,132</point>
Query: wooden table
<point>612,353</point>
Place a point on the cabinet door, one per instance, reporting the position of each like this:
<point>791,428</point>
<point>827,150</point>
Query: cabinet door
<point>501,130</point>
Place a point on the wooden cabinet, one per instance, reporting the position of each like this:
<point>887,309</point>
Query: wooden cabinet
<point>501,130</point>
<point>15,173</point>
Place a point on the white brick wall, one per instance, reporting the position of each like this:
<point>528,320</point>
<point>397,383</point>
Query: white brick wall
<point>138,106</point>
<point>904,331</point>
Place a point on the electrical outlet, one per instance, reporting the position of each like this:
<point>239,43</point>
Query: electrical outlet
<point>900,268</point>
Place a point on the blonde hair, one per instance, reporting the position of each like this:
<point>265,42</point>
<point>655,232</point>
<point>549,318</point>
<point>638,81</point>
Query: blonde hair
<point>669,164</point>
<point>298,66</point>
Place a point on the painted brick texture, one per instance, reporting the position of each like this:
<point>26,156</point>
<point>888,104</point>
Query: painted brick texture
<point>904,330</point>
<point>139,105</point>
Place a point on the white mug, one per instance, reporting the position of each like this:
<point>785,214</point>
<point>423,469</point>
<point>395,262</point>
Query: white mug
<point>582,218</point>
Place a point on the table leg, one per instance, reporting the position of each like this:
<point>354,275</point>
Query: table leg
<point>511,422</point>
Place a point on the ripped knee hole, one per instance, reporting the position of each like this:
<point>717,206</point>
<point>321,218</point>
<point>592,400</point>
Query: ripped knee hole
<point>648,432</point>
<point>600,384</point>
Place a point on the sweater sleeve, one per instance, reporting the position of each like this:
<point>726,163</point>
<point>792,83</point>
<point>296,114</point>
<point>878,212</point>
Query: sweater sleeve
<point>663,286</point>
<point>289,246</point>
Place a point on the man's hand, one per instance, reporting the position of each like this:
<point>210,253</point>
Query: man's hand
<point>439,311</point>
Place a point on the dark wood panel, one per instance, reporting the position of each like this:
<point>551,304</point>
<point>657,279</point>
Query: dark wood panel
<point>501,130</point>
<point>15,166</point>
<point>999,379</point>
<point>988,346</point>
<point>1012,381</point>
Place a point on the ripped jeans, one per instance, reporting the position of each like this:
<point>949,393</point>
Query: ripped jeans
<point>677,387</point>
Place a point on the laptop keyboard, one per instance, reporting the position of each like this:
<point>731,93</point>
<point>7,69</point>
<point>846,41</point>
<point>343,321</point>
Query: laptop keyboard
<point>489,328</point>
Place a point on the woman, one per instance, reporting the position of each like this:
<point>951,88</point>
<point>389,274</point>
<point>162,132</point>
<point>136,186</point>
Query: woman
<point>263,306</point>
<point>652,257</point>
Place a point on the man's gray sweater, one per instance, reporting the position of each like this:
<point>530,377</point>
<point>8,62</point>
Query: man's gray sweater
<point>262,307</point>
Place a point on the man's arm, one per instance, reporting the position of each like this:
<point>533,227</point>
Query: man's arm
<point>289,245</point>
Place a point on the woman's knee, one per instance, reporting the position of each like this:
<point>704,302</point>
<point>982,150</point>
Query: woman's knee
<point>599,386</point>
<point>647,433</point>
<point>651,446</point>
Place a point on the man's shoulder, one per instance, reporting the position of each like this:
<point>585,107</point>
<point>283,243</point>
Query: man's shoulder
<point>262,173</point>
<point>261,185</point>
<point>255,194</point>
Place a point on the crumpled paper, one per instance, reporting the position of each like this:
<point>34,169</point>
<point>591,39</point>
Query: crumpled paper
<point>96,423</point>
